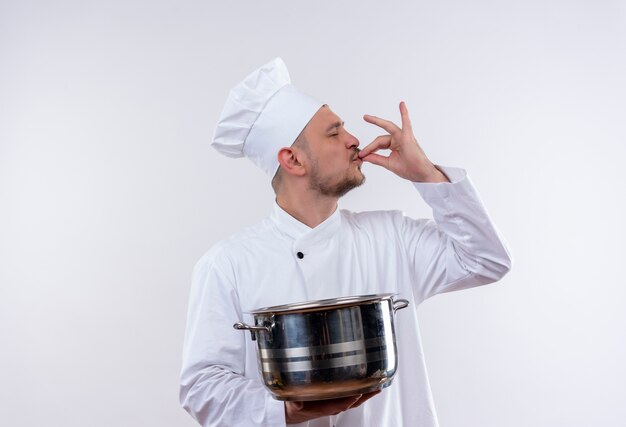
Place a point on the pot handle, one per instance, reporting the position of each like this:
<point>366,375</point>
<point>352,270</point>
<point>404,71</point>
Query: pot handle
<point>245,327</point>
<point>399,304</point>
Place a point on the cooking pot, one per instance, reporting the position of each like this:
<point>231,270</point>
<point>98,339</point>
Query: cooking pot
<point>326,349</point>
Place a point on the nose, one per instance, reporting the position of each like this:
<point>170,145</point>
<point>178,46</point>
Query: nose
<point>351,140</point>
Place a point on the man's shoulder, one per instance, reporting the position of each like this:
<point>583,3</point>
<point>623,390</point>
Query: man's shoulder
<point>232,246</point>
<point>376,218</point>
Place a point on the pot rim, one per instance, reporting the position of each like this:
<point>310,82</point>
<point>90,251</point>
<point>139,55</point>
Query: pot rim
<point>323,304</point>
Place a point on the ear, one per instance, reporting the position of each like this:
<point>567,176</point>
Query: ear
<point>290,161</point>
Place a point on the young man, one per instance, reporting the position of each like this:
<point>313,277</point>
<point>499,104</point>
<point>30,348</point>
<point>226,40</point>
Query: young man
<point>308,249</point>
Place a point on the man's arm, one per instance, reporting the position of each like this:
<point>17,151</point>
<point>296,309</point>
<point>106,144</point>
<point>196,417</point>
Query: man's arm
<point>213,387</point>
<point>462,247</point>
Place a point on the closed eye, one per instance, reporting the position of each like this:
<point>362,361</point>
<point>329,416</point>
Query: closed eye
<point>334,127</point>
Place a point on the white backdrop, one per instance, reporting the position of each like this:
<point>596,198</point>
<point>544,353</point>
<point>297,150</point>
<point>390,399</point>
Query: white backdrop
<point>109,192</point>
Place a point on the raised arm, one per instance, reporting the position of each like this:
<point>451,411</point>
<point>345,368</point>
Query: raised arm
<point>461,248</point>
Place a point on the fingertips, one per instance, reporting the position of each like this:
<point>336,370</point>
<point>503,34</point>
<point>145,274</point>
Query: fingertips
<point>376,159</point>
<point>364,398</point>
<point>381,142</point>
<point>355,400</point>
<point>363,153</point>
<point>367,150</point>
<point>369,118</point>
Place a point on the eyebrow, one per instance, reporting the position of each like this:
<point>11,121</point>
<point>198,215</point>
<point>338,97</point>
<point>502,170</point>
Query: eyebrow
<point>334,125</point>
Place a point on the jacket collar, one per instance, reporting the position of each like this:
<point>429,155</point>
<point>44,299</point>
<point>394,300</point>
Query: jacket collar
<point>298,230</point>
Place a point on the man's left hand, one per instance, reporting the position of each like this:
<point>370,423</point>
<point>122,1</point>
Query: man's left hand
<point>407,159</point>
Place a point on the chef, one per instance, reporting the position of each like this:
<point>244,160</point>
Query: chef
<point>309,249</point>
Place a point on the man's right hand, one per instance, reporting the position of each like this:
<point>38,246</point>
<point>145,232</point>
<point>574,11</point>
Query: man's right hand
<point>299,412</point>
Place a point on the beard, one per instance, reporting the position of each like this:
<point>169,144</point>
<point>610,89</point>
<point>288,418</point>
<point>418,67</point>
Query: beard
<point>334,186</point>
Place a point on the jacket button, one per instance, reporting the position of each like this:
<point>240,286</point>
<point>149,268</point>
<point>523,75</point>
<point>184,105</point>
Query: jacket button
<point>300,255</point>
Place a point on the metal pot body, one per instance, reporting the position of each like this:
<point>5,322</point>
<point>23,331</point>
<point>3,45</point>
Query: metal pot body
<point>327,349</point>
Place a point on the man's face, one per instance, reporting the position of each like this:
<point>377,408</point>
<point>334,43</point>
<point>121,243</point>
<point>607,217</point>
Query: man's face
<point>331,155</point>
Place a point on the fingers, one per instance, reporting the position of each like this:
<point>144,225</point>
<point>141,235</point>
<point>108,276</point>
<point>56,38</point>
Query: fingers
<point>336,406</point>
<point>380,143</point>
<point>352,401</point>
<point>364,398</point>
<point>348,401</point>
<point>342,403</point>
<point>355,401</point>
<point>296,412</point>
<point>385,124</point>
<point>368,154</point>
<point>377,159</point>
<point>389,126</point>
<point>406,120</point>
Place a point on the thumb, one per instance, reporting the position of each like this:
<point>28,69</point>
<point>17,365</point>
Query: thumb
<point>377,159</point>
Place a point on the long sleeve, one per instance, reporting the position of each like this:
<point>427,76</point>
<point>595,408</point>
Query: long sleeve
<point>213,387</point>
<point>461,248</point>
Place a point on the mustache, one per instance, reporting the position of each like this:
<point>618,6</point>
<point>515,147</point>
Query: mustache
<point>356,152</point>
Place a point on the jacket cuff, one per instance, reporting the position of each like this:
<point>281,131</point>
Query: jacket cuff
<point>459,185</point>
<point>275,412</point>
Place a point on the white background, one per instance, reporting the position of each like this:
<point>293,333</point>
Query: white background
<point>109,192</point>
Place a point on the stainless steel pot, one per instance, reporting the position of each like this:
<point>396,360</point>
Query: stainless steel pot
<point>326,349</point>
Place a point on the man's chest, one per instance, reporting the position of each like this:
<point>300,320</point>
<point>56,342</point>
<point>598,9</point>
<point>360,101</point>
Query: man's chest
<point>282,272</point>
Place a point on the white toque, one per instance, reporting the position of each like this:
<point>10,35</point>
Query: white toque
<point>263,114</point>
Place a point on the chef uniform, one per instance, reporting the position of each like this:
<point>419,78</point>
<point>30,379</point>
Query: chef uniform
<point>281,260</point>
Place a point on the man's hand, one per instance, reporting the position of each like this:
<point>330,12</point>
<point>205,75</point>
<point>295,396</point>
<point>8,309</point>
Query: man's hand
<point>407,159</point>
<point>298,412</point>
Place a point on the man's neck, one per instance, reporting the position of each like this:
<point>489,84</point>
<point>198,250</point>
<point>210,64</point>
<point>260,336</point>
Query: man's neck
<point>309,209</point>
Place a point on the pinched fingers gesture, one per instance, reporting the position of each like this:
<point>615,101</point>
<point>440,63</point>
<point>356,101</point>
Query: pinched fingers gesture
<point>407,159</point>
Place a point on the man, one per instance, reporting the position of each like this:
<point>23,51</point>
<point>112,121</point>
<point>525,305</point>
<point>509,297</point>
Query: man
<point>308,249</point>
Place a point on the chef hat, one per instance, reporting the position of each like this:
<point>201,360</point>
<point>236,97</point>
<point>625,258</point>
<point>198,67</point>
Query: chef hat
<point>263,114</point>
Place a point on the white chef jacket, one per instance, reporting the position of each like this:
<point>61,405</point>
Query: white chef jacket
<point>348,254</point>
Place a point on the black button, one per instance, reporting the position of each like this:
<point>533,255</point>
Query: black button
<point>300,255</point>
